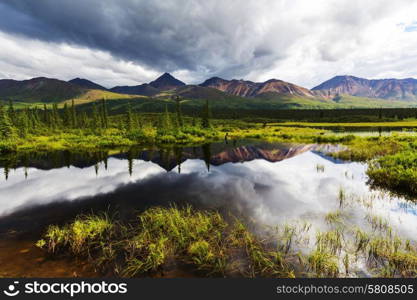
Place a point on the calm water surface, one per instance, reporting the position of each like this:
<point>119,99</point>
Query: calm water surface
<point>271,184</point>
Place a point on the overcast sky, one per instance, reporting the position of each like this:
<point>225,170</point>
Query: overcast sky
<point>128,42</point>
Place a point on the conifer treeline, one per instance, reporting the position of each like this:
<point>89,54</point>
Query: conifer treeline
<point>21,122</point>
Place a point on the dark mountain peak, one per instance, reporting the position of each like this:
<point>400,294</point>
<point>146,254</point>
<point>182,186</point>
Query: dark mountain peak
<point>39,89</point>
<point>166,82</point>
<point>273,80</point>
<point>85,83</point>
<point>213,81</point>
<point>341,80</point>
<point>142,89</point>
<point>40,79</point>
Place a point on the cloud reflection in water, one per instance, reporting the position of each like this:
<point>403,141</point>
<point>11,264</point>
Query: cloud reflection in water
<point>272,193</point>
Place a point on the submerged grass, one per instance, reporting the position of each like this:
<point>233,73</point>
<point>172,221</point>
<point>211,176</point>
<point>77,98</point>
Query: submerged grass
<point>334,218</point>
<point>323,263</point>
<point>163,237</point>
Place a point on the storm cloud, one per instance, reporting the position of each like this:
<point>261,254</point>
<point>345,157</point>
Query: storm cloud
<point>131,41</point>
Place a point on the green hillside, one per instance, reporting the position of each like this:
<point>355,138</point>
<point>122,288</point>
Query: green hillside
<point>44,90</point>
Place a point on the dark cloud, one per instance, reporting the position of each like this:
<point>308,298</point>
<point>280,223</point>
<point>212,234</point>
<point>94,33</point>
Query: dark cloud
<point>252,39</point>
<point>165,35</point>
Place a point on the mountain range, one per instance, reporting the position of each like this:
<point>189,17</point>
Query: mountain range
<point>339,91</point>
<point>245,88</point>
<point>397,89</point>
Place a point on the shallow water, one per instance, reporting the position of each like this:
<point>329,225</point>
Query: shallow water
<point>271,184</point>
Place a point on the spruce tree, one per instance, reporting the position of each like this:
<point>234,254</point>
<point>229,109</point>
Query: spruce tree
<point>67,116</point>
<point>104,113</point>
<point>167,124</point>
<point>139,121</point>
<point>178,101</point>
<point>205,120</point>
<point>34,120</point>
<point>83,123</point>
<point>129,118</point>
<point>12,113</point>
<point>55,117</point>
<point>47,118</point>
<point>7,130</point>
<point>23,123</point>
<point>73,115</point>
<point>96,123</point>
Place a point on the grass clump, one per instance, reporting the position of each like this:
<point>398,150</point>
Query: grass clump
<point>388,255</point>
<point>334,218</point>
<point>331,241</point>
<point>164,238</point>
<point>323,264</point>
<point>80,235</point>
<point>397,172</point>
<point>362,149</point>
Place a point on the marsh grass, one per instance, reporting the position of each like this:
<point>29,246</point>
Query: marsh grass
<point>393,256</point>
<point>205,244</point>
<point>85,232</point>
<point>342,196</point>
<point>379,223</point>
<point>334,218</point>
<point>330,241</point>
<point>320,168</point>
<point>323,264</point>
<point>162,237</point>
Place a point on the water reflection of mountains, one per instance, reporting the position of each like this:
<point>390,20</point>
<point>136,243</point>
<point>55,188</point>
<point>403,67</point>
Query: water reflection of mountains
<point>167,158</point>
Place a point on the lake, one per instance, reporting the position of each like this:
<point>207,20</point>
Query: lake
<point>268,184</point>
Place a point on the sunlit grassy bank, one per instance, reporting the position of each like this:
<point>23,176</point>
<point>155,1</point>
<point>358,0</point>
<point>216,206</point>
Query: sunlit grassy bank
<point>412,123</point>
<point>49,129</point>
<point>392,161</point>
<point>188,134</point>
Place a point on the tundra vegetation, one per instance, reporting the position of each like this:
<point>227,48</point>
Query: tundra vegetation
<point>392,158</point>
<point>165,240</point>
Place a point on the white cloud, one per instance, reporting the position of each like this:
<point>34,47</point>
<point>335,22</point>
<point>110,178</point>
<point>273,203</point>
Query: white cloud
<point>23,58</point>
<point>301,41</point>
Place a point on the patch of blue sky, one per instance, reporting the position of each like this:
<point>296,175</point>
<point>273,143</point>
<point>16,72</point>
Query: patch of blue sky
<point>411,27</point>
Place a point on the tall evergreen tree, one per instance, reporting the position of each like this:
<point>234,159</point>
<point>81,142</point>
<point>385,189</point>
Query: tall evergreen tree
<point>47,118</point>
<point>7,129</point>
<point>205,119</point>
<point>139,120</point>
<point>178,101</point>
<point>23,123</point>
<point>129,118</point>
<point>166,120</point>
<point>55,117</point>
<point>67,116</point>
<point>34,120</point>
<point>12,113</point>
<point>73,115</point>
<point>104,113</point>
<point>96,123</point>
<point>83,122</point>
